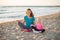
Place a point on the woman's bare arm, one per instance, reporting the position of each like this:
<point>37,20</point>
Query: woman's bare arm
<point>22,21</point>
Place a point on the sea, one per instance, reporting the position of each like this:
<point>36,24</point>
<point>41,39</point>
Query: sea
<point>10,13</point>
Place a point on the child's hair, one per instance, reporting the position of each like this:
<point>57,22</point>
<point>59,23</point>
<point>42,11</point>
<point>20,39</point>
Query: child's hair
<point>31,15</point>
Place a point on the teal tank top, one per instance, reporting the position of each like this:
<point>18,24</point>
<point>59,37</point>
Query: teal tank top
<point>29,21</point>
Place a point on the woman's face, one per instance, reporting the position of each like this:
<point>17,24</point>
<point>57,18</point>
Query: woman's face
<point>28,12</point>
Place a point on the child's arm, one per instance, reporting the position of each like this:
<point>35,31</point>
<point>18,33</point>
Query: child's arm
<point>35,22</point>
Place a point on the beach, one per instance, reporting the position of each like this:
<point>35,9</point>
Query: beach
<point>12,31</point>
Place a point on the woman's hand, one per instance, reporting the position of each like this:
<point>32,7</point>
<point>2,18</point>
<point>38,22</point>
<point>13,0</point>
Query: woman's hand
<point>18,20</point>
<point>21,21</point>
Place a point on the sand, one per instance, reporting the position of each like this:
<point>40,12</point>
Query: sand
<point>12,31</point>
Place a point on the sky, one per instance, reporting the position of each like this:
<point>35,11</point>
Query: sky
<point>29,2</point>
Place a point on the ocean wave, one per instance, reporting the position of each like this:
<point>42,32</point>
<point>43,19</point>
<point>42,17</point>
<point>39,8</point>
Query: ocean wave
<point>19,12</point>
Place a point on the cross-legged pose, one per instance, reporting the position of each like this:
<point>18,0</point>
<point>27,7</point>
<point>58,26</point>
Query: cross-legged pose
<point>29,21</point>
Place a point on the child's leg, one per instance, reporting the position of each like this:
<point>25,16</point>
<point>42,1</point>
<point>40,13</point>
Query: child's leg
<point>37,29</point>
<point>32,27</point>
<point>42,30</point>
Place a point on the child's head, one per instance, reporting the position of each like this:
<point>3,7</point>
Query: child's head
<point>29,13</point>
<point>36,21</point>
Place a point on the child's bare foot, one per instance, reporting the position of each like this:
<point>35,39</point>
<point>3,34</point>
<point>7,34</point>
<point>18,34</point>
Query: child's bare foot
<point>46,28</point>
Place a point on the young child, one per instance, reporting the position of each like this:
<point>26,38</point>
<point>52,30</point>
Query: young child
<point>37,27</point>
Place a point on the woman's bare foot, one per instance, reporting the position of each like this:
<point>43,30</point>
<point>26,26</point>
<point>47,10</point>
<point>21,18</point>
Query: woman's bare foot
<point>26,30</point>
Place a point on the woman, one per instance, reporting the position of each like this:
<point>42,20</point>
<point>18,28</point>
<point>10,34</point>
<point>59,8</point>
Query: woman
<point>28,20</point>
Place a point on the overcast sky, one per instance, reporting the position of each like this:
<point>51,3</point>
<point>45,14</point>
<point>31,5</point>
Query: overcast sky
<point>30,2</point>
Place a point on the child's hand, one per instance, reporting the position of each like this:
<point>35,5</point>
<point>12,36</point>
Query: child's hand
<point>18,20</point>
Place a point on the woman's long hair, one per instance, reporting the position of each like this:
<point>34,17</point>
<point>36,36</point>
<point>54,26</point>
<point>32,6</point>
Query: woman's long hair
<point>31,15</point>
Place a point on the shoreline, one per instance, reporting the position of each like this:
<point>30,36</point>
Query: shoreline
<point>46,16</point>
